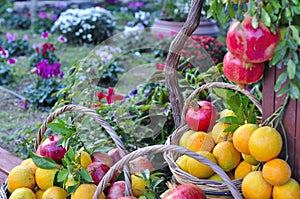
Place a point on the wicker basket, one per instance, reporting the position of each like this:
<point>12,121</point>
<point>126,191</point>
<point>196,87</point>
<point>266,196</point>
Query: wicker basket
<point>212,187</point>
<point>86,111</point>
<point>171,149</point>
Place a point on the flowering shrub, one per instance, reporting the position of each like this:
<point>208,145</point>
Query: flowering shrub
<point>17,20</point>
<point>79,26</point>
<point>16,46</point>
<point>5,69</point>
<point>44,22</point>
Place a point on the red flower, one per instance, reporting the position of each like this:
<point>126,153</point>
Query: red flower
<point>160,66</point>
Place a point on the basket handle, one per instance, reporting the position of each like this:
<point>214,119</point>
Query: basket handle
<point>97,118</point>
<point>217,85</point>
<point>163,148</point>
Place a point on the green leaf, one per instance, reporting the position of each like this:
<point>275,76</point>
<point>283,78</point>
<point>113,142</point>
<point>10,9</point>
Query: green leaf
<point>283,90</point>
<point>43,162</point>
<point>279,55</point>
<point>228,119</point>
<point>291,69</point>
<point>73,188</point>
<point>295,34</point>
<point>58,128</point>
<point>294,90</point>
<point>255,22</point>
<point>85,175</point>
<point>70,154</point>
<point>265,18</point>
<point>62,175</point>
<point>231,128</point>
<point>280,81</point>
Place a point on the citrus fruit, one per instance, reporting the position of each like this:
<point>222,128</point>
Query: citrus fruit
<point>85,159</point>
<point>181,162</point>
<point>216,177</point>
<point>39,194</point>
<point>265,143</point>
<point>184,138</point>
<point>199,169</point>
<point>241,137</point>
<point>226,113</point>
<point>138,185</point>
<point>21,176</point>
<point>29,162</point>
<point>250,159</point>
<point>200,141</point>
<point>289,190</point>
<point>254,186</point>
<point>218,133</point>
<point>45,177</point>
<point>227,156</point>
<point>22,193</point>
<point>276,171</point>
<point>55,193</point>
<point>242,170</point>
<point>86,191</point>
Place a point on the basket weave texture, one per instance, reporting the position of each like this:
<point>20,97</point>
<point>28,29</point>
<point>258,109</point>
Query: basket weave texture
<point>85,111</point>
<point>209,186</point>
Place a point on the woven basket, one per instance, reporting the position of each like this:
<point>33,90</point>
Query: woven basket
<point>212,187</point>
<point>170,149</point>
<point>86,111</point>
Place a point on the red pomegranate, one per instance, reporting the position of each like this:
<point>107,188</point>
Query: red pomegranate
<point>250,44</point>
<point>241,72</point>
<point>185,191</point>
<point>50,149</point>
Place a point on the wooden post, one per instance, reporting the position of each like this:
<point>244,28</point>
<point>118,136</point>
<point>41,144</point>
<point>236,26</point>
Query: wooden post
<point>291,118</point>
<point>33,9</point>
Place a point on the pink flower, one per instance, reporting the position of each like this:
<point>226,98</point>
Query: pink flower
<point>43,15</point>
<point>11,37</point>
<point>160,35</point>
<point>11,61</point>
<point>53,17</point>
<point>62,39</point>
<point>45,35</point>
<point>172,33</point>
<point>4,53</point>
<point>25,37</point>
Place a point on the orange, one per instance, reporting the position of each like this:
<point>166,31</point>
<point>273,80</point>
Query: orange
<point>250,159</point>
<point>241,137</point>
<point>22,193</point>
<point>45,177</point>
<point>39,194</point>
<point>21,176</point>
<point>55,193</point>
<point>199,169</point>
<point>216,177</point>
<point>86,191</point>
<point>276,171</point>
<point>242,170</point>
<point>181,162</point>
<point>30,163</point>
<point>185,137</point>
<point>290,190</point>
<point>218,133</point>
<point>200,141</point>
<point>227,156</point>
<point>254,186</point>
<point>265,143</point>
<point>138,185</point>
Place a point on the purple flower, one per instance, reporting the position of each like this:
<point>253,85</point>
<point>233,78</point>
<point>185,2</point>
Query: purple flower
<point>11,37</point>
<point>62,39</point>
<point>25,37</point>
<point>45,70</point>
<point>135,5</point>
<point>43,15</point>
<point>45,35</point>
<point>11,61</point>
<point>54,17</point>
<point>111,1</point>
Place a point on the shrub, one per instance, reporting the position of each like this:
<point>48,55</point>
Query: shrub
<point>17,20</point>
<point>5,74</point>
<point>91,25</point>
<point>44,22</point>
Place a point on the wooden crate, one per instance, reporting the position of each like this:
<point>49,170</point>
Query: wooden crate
<point>291,118</point>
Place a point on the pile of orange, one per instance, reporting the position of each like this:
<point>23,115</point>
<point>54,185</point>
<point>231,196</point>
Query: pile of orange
<point>250,152</point>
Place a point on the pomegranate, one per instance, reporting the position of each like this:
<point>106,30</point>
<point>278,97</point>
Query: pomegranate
<point>250,44</point>
<point>102,157</point>
<point>241,72</point>
<point>201,115</point>
<point>50,149</point>
<point>116,190</point>
<point>139,164</point>
<point>97,171</point>
<point>185,191</point>
<point>114,154</point>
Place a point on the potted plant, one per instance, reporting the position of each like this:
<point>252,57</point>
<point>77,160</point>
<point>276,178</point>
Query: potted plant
<point>173,14</point>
